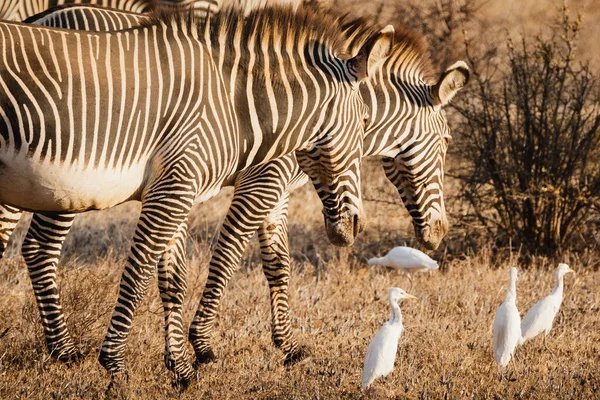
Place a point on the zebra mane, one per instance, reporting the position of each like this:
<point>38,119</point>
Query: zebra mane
<point>272,22</point>
<point>409,50</point>
<point>411,46</point>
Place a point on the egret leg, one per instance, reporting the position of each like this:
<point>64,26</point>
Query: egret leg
<point>546,346</point>
<point>516,361</point>
<point>410,280</point>
<point>500,373</point>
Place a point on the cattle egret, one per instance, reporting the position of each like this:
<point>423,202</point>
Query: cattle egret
<point>381,354</point>
<point>507,324</point>
<point>407,260</point>
<point>541,315</point>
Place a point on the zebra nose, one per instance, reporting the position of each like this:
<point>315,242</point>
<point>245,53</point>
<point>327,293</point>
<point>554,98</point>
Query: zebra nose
<point>432,234</point>
<point>343,231</point>
<point>356,228</point>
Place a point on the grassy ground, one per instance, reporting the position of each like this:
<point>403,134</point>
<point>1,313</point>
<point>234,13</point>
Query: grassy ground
<point>445,350</point>
<point>337,307</point>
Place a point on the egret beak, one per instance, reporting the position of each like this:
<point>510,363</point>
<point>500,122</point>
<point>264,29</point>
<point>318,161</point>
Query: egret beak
<point>571,271</point>
<point>410,296</point>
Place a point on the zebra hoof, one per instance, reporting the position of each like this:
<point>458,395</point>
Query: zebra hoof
<point>205,357</point>
<point>114,366</point>
<point>182,383</point>
<point>118,388</point>
<point>295,356</point>
<point>70,358</point>
<point>68,355</point>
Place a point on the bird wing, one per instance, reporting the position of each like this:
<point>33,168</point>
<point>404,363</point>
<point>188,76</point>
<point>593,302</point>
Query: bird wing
<point>539,318</point>
<point>381,353</point>
<point>409,258</point>
<point>507,332</point>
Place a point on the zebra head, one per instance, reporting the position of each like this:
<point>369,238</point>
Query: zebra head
<point>333,161</point>
<point>418,138</point>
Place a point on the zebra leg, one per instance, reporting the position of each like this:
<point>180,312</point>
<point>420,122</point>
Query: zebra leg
<point>9,218</point>
<point>41,250</point>
<point>165,207</point>
<point>254,197</point>
<point>223,263</point>
<point>274,251</point>
<point>172,282</point>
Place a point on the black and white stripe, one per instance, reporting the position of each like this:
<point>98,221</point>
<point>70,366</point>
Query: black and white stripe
<point>178,141</point>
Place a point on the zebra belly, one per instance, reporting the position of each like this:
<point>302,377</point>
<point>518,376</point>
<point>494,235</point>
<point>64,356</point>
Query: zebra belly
<point>44,186</point>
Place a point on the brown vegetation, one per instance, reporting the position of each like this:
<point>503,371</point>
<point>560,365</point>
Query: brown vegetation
<point>532,133</point>
<point>337,305</point>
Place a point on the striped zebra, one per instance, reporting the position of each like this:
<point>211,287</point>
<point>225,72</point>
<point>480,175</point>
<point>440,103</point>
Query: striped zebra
<point>408,128</point>
<point>19,10</point>
<point>78,132</point>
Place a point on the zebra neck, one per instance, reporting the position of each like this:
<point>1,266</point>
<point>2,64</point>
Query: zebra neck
<point>275,113</point>
<point>387,98</point>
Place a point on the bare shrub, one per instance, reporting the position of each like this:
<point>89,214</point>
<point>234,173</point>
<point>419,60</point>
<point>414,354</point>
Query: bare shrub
<point>530,141</point>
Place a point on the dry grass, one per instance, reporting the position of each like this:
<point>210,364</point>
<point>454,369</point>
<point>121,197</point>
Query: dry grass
<point>337,308</point>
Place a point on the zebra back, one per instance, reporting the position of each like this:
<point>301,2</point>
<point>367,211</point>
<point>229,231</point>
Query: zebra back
<point>19,10</point>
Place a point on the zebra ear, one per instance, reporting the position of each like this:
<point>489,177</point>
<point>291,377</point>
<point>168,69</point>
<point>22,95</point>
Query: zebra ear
<point>374,51</point>
<point>451,81</point>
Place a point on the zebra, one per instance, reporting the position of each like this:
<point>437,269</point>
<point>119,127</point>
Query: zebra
<point>408,127</point>
<point>194,144</point>
<point>19,10</point>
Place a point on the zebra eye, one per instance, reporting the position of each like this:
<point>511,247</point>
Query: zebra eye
<point>447,139</point>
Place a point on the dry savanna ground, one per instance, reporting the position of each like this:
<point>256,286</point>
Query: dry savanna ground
<point>338,305</point>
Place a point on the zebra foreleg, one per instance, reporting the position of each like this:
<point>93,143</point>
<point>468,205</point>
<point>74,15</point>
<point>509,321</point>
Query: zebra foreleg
<point>222,266</point>
<point>41,250</point>
<point>274,250</point>
<point>252,202</point>
<point>165,207</point>
<point>172,282</point>
<point>9,218</point>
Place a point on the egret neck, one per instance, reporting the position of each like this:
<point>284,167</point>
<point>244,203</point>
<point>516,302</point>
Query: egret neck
<point>511,293</point>
<point>396,317</point>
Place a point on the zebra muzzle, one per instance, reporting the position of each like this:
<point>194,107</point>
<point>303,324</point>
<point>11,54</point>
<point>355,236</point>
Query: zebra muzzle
<point>344,231</point>
<point>432,234</point>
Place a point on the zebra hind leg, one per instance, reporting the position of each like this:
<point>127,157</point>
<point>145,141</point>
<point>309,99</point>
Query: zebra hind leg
<point>273,238</point>
<point>172,282</point>
<point>165,207</point>
<point>41,249</point>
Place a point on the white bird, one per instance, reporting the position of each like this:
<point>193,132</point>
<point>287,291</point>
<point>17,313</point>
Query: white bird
<point>407,260</point>
<point>541,316</point>
<point>381,354</point>
<point>507,324</point>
